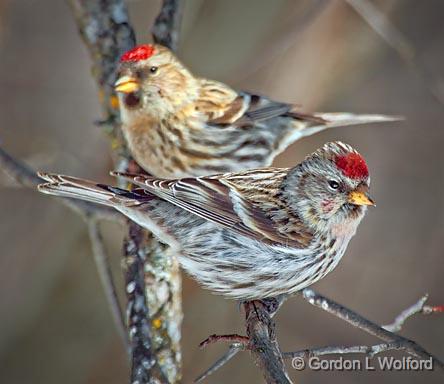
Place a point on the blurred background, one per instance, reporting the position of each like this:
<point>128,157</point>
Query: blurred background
<point>55,322</point>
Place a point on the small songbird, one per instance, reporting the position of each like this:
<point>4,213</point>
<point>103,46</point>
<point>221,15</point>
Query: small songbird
<point>179,125</point>
<point>252,234</point>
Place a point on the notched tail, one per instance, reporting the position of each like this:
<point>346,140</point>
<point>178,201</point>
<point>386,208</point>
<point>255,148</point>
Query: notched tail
<point>68,186</point>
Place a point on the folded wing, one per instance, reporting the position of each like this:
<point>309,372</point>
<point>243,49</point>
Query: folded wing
<point>217,199</point>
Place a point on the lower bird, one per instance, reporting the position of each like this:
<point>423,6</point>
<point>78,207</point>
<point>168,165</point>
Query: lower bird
<point>247,235</point>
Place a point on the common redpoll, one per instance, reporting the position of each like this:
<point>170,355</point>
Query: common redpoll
<point>179,125</point>
<point>252,234</point>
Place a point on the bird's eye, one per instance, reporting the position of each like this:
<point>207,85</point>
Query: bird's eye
<point>153,69</point>
<point>333,184</point>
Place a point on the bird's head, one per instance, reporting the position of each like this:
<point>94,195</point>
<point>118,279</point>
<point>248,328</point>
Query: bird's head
<point>329,189</point>
<point>152,81</point>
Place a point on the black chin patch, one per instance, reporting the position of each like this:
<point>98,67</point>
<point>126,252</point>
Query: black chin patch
<point>132,100</point>
<point>353,210</point>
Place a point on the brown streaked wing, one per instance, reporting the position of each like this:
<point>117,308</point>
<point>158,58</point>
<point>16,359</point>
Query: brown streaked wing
<point>231,114</point>
<point>219,103</point>
<point>258,108</point>
<point>261,108</point>
<point>212,199</point>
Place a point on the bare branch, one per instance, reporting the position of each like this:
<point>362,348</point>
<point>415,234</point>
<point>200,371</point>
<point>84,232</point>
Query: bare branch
<point>144,363</point>
<point>155,307</point>
<point>272,306</point>
<point>398,343</point>
<point>370,351</point>
<point>286,37</point>
<point>383,27</point>
<point>260,341</point>
<point>106,277</point>
<point>154,320</point>
<point>378,21</point>
<point>418,307</point>
<point>404,315</point>
<point>106,31</point>
<point>225,358</point>
<point>263,344</point>
<point>18,171</point>
<point>166,28</point>
<point>27,177</point>
<point>366,325</point>
<point>405,344</point>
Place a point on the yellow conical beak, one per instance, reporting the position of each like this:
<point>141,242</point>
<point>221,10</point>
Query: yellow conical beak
<point>359,198</point>
<point>127,84</point>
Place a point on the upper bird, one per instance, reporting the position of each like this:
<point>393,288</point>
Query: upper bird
<point>178,125</point>
<point>251,234</point>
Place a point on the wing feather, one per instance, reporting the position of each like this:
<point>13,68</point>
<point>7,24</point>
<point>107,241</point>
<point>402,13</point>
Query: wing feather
<point>222,106</point>
<point>217,199</point>
<point>247,109</point>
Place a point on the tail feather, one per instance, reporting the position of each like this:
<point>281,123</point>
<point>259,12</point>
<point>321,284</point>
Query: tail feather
<point>130,203</point>
<point>333,120</point>
<point>337,119</point>
<point>68,186</point>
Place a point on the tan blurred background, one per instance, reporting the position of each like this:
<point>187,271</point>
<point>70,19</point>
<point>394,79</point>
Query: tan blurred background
<point>55,323</point>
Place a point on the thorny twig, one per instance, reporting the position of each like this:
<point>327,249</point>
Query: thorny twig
<point>378,21</point>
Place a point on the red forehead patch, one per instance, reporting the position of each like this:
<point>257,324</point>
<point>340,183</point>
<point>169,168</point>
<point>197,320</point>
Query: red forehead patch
<point>352,166</point>
<point>141,52</point>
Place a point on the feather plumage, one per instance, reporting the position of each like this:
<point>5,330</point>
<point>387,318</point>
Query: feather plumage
<point>185,125</point>
<point>246,235</point>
